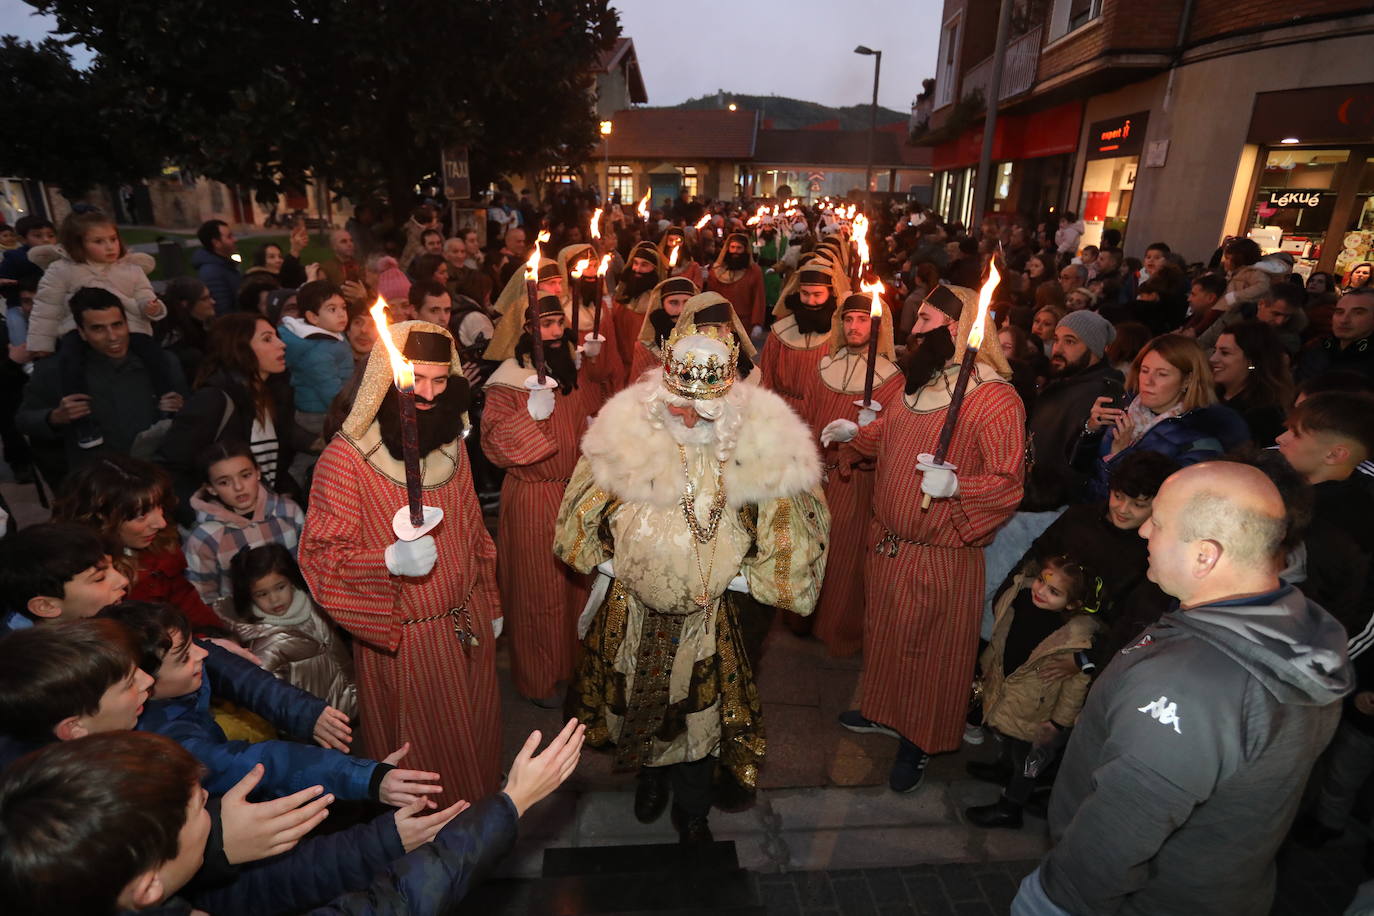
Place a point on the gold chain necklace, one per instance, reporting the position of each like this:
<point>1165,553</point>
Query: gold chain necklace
<point>700,534</point>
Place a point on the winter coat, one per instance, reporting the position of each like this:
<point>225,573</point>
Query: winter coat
<point>312,656</point>
<point>222,410</point>
<point>161,577</point>
<point>1053,429</point>
<point>288,766</point>
<point>321,363</point>
<point>1190,757</point>
<point>221,277</point>
<point>1198,435</point>
<point>1018,703</point>
<point>1066,238</point>
<point>15,265</point>
<point>1326,355</point>
<point>127,278</point>
<point>220,533</point>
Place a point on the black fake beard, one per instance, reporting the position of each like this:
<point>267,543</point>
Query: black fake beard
<point>1070,368</point>
<point>633,285</point>
<point>736,261</point>
<point>558,358</point>
<point>927,359</point>
<point>663,325</point>
<point>439,425</point>
<point>588,285</point>
<point>744,365</point>
<point>812,319</point>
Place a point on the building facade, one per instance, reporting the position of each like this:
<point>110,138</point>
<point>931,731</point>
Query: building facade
<point>1195,120</point>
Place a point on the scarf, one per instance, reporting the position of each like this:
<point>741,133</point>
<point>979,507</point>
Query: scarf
<point>1143,419</point>
<point>297,613</point>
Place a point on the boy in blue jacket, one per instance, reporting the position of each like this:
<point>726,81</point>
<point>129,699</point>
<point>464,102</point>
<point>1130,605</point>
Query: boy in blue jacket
<point>317,353</point>
<point>180,709</point>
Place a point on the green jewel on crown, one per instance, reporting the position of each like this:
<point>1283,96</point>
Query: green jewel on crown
<point>704,381</point>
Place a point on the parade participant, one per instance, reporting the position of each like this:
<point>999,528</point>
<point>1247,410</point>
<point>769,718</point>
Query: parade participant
<point>584,290</point>
<point>687,266</point>
<point>532,431</point>
<point>688,456</point>
<point>637,281</point>
<point>925,576</point>
<point>801,334</point>
<point>665,307</point>
<point>425,613</point>
<point>837,390</point>
<point>712,310</point>
<point>736,277</point>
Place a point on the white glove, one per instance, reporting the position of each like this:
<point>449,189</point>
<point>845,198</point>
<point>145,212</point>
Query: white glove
<point>577,358</point>
<point>839,431</point>
<point>412,558</point>
<point>937,480</point>
<point>738,584</point>
<point>591,347</point>
<point>497,626</point>
<point>540,403</point>
<point>867,412</point>
<point>606,568</point>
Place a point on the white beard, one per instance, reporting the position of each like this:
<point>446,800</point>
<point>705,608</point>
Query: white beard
<point>703,433</point>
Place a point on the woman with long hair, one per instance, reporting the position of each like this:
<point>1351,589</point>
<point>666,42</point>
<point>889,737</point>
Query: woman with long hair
<point>1360,276</point>
<point>129,502</point>
<point>243,392</point>
<point>1173,410</point>
<point>1253,379</point>
<point>190,312</point>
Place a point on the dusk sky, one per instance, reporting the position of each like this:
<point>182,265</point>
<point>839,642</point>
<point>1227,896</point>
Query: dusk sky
<point>802,49</point>
<point>799,48</point>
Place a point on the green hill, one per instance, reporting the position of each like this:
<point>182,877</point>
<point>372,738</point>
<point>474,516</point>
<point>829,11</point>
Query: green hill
<point>793,114</point>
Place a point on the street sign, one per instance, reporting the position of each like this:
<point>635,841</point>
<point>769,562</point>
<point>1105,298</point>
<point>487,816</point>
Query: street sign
<point>457,185</point>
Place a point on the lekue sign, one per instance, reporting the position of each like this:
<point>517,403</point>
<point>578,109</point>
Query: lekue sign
<point>1294,198</point>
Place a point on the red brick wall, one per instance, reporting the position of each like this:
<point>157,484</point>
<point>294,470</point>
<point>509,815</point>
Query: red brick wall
<point>1217,17</point>
<point>1126,26</point>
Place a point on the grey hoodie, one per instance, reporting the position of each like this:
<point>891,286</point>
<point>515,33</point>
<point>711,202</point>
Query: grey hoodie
<point>1190,756</point>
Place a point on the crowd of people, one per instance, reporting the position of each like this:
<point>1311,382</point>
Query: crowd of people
<point>1115,522</point>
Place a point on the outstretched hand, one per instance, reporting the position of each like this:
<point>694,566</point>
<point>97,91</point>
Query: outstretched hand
<point>332,730</point>
<point>255,831</point>
<point>533,776</point>
<point>405,787</point>
<point>416,829</point>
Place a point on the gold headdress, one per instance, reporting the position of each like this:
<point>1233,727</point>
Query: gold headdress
<point>699,363</point>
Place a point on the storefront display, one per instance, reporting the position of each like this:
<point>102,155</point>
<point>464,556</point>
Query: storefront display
<point>1294,202</point>
<point>1113,158</point>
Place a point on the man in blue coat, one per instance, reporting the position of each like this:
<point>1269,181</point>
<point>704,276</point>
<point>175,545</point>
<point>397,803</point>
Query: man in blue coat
<point>213,264</point>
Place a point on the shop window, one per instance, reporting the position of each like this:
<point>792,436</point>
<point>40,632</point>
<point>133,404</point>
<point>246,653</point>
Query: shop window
<point>1293,205</point>
<point>1357,245</point>
<point>947,74</point>
<point>621,183</point>
<point>1070,15</point>
<point>1002,188</point>
<point>689,179</point>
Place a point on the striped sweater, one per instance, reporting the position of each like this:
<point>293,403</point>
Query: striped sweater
<point>220,533</point>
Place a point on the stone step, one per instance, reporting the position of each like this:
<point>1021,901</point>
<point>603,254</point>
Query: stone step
<point>727,891</point>
<point>653,857</point>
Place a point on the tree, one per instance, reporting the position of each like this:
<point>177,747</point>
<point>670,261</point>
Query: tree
<point>361,93</point>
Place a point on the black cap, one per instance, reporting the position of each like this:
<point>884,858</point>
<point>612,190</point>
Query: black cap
<point>944,299</point>
<point>813,277</point>
<point>550,305</point>
<point>549,272</point>
<point>858,302</point>
<point>428,347</point>
<point>717,313</point>
<point>677,286</point>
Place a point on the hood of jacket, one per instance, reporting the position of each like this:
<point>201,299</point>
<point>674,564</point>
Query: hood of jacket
<point>208,508</point>
<point>305,330</point>
<point>1292,646</point>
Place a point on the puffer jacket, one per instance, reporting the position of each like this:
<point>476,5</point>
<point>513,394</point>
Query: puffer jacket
<point>127,278</point>
<point>312,656</point>
<point>220,534</point>
<point>321,363</point>
<point>1015,705</point>
<point>1198,435</point>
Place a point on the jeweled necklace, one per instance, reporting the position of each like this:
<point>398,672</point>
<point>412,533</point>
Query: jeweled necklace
<point>702,535</point>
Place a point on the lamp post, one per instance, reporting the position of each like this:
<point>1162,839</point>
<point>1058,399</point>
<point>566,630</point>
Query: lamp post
<point>983,177</point>
<point>606,147</point>
<point>873,122</point>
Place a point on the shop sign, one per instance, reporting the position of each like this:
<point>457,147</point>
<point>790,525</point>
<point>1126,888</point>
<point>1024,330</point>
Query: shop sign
<point>1295,198</point>
<point>1117,136</point>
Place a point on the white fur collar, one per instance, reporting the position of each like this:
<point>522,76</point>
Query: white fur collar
<point>629,458</point>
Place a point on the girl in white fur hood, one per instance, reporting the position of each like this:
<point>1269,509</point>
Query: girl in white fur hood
<point>90,254</point>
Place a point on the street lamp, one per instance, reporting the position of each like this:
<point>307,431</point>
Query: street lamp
<point>873,121</point>
<point>606,146</point>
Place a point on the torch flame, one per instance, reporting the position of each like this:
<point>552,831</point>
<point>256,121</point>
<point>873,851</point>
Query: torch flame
<point>875,291</point>
<point>532,265</point>
<point>580,268</point>
<point>861,238</point>
<point>605,265</point>
<point>701,223</point>
<point>643,208</point>
<point>672,256</point>
<point>596,223</point>
<point>975,333</point>
<point>401,369</point>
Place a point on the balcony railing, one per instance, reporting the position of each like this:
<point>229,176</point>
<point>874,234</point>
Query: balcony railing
<point>1018,68</point>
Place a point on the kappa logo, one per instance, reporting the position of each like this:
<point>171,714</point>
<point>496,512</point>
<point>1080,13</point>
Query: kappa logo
<point>1165,713</point>
<point>1144,641</point>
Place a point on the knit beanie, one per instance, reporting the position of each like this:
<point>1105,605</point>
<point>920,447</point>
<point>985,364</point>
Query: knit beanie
<point>1094,330</point>
<point>392,284</point>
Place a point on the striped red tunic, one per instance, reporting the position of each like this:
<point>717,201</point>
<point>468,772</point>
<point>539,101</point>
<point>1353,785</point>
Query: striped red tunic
<point>607,370</point>
<point>542,595</point>
<point>645,359</point>
<point>787,370</point>
<point>416,682</point>
<point>839,617</point>
<point>925,603</point>
<point>628,318</point>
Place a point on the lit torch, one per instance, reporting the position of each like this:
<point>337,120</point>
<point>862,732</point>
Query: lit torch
<point>672,257</point>
<point>971,345</point>
<point>596,229</point>
<point>600,294</point>
<point>860,241</point>
<point>643,208</point>
<point>875,315</point>
<point>410,521</point>
<point>532,319</point>
<point>701,223</point>
<point>578,270</point>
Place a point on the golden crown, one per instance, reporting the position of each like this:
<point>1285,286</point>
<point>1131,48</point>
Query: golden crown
<point>693,375</point>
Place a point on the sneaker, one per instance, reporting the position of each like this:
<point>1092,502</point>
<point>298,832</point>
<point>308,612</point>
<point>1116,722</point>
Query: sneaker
<point>908,769</point>
<point>853,720</point>
<point>973,734</point>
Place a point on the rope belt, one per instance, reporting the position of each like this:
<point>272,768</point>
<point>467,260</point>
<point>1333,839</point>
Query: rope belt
<point>462,621</point>
<point>890,543</point>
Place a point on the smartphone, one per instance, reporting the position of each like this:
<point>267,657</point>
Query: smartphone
<point>1117,392</point>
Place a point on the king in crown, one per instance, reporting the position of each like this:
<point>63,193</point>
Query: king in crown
<point>700,363</point>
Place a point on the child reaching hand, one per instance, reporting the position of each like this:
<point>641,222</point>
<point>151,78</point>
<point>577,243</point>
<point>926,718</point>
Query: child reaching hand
<point>279,622</point>
<point>1038,618</point>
